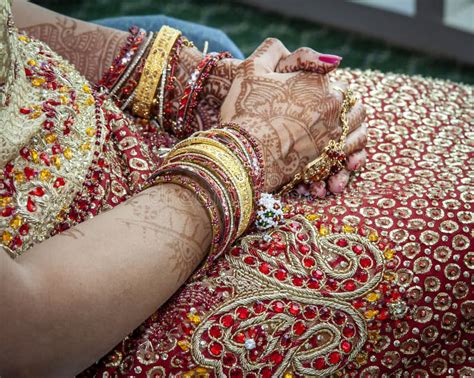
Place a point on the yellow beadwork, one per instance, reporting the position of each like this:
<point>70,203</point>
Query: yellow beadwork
<point>31,62</point>
<point>389,253</point>
<point>86,147</point>
<point>50,138</point>
<point>37,81</point>
<point>24,38</point>
<point>90,131</point>
<point>68,153</point>
<point>372,297</point>
<point>323,230</point>
<point>373,237</point>
<point>7,237</point>
<point>86,88</point>
<point>34,156</point>
<point>348,229</point>
<point>194,318</point>
<point>184,345</point>
<point>45,175</point>
<point>89,101</point>
<point>19,177</point>
<point>370,314</point>
<point>5,201</point>
<point>56,161</point>
<point>35,114</point>
<point>16,222</point>
<point>312,217</point>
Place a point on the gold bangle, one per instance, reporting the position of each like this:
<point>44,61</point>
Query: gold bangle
<point>152,70</point>
<point>236,171</point>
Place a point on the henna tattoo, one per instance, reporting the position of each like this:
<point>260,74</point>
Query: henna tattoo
<point>90,51</point>
<point>167,215</point>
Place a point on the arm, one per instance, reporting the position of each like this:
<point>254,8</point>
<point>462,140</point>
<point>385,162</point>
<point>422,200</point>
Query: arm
<point>69,300</point>
<point>91,48</point>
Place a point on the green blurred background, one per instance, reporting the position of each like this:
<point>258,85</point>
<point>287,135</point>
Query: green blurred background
<point>248,26</point>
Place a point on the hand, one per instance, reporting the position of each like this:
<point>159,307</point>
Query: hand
<point>293,115</point>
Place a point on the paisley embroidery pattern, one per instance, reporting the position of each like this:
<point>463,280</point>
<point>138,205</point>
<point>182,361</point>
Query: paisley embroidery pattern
<point>299,313</point>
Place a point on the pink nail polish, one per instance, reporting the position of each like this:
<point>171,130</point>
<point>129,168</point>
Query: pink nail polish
<point>331,59</point>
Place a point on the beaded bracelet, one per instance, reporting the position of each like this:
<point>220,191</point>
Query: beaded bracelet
<point>127,52</point>
<point>191,92</point>
<point>125,86</point>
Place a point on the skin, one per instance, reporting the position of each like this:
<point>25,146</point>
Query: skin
<point>91,49</point>
<point>70,299</point>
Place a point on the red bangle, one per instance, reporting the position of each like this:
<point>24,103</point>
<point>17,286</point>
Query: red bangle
<point>122,60</point>
<point>189,100</point>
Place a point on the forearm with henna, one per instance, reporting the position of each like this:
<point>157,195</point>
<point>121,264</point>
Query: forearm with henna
<point>97,282</point>
<point>89,47</point>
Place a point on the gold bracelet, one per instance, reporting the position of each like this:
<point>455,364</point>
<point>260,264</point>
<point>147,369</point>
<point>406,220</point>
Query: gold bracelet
<point>152,70</point>
<point>235,169</point>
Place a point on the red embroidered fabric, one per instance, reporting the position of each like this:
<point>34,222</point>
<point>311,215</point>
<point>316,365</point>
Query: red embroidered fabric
<point>374,281</point>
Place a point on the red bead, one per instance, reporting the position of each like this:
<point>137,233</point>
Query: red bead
<point>281,274</point>
<point>324,313</point>
<point>242,312</point>
<point>304,249</point>
<point>357,249</point>
<point>258,307</point>
<point>235,251</point>
<point>264,268</point>
<point>59,182</point>
<point>30,205</point>
<point>383,314</point>
<point>216,348</point>
<point>7,211</point>
<point>302,237</point>
<point>334,358</point>
<point>349,285</point>
<point>249,260</point>
<point>38,191</point>
<point>365,262</point>
<point>308,262</point>
<point>342,243</point>
<point>16,242</point>
<point>310,312</point>
<point>319,363</point>
<point>24,229</point>
<point>266,372</point>
<point>278,307</point>
<point>297,281</point>
<point>361,276</point>
<point>215,331</point>
<point>28,72</point>
<point>358,303</point>
<point>227,321</point>
<point>239,338</point>
<point>339,318</point>
<point>331,284</point>
<point>56,149</point>
<point>313,284</point>
<point>25,110</point>
<point>318,274</point>
<point>348,331</point>
<point>25,153</point>
<point>276,358</point>
<point>29,172</point>
<point>299,328</point>
<point>294,309</point>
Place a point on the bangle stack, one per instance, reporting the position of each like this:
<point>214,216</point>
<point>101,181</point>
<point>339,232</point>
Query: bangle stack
<point>224,167</point>
<point>155,62</point>
<point>182,126</point>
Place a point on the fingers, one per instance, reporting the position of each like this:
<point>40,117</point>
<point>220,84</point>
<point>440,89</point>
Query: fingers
<point>356,140</point>
<point>339,181</point>
<point>356,160</point>
<point>267,55</point>
<point>306,59</point>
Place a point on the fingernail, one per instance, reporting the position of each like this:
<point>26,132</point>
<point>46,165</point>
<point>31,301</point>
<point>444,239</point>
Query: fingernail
<point>331,59</point>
